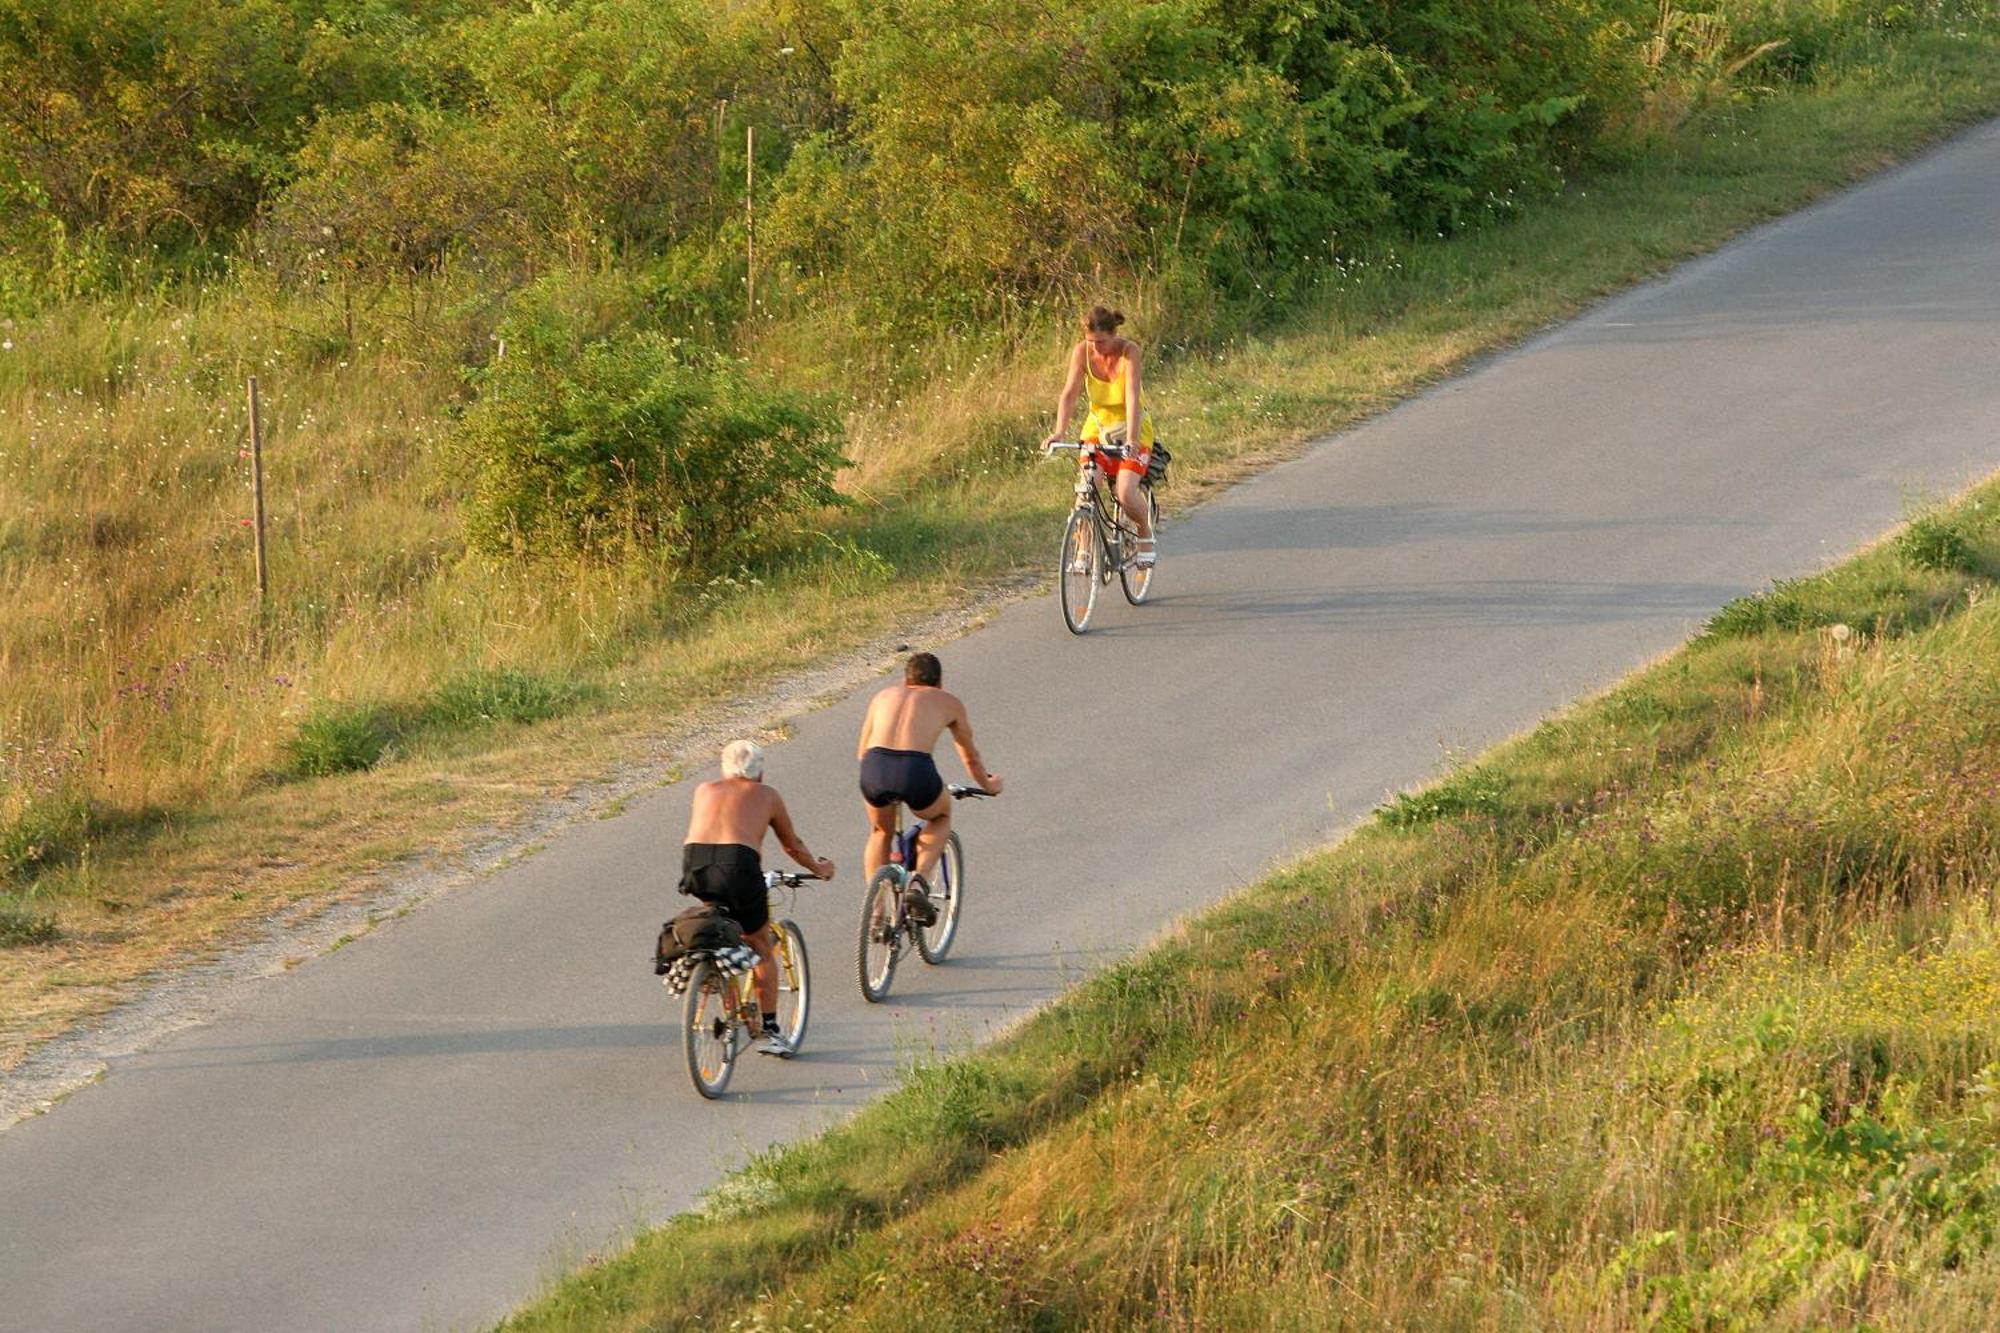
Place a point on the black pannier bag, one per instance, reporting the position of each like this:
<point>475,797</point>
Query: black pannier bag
<point>704,926</point>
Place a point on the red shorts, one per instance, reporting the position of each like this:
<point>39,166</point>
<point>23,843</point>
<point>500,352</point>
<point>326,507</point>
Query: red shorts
<point>1111,466</point>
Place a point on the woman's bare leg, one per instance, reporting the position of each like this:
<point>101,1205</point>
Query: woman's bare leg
<point>1132,499</point>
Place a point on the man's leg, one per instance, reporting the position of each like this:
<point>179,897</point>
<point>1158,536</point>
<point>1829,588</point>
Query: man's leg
<point>766,947</point>
<point>881,838</point>
<point>930,842</point>
<point>1132,499</point>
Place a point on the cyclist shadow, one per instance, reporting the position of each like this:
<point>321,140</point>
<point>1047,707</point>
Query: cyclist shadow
<point>1477,604</point>
<point>852,1091</point>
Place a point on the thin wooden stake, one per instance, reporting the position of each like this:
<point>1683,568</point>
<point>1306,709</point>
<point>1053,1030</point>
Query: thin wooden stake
<point>750,219</point>
<point>257,490</point>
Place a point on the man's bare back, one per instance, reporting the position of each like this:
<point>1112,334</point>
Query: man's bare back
<point>910,717</point>
<point>737,810</point>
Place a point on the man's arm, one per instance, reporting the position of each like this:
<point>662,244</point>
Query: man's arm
<point>968,753</point>
<point>867,729</point>
<point>795,847</point>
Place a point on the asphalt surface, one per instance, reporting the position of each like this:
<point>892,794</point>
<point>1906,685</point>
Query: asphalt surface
<point>417,1130</point>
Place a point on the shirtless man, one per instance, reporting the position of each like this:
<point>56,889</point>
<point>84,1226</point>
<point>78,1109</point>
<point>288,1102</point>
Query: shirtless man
<point>722,862</point>
<point>903,723</point>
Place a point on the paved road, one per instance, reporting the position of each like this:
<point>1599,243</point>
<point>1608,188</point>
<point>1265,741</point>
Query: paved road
<point>412,1132</point>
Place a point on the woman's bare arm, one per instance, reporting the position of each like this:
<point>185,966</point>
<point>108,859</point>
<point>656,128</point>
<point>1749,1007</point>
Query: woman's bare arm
<point>1066,403</point>
<point>1133,413</point>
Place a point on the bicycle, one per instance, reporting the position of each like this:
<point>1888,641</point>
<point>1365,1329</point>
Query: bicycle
<point>888,926</point>
<point>721,1015</point>
<point>1100,541</point>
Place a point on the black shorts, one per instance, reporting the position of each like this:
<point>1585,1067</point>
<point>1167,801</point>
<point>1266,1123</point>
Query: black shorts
<point>731,876</point>
<point>909,776</point>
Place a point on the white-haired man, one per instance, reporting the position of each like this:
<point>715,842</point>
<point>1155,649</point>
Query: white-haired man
<point>722,862</point>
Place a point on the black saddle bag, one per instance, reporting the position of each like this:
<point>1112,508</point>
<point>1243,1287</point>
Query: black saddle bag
<point>704,926</point>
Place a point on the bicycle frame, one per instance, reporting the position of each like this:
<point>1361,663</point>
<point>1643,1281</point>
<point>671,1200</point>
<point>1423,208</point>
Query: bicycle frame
<point>1095,493</point>
<point>903,849</point>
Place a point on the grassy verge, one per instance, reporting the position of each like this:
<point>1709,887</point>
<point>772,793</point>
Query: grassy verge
<point>1681,1010</point>
<point>168,763</point>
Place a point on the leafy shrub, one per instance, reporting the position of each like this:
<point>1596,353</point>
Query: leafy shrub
<point>1472,791</point>
<point>20,926</point>
<point>638,443</point>
<point>338,739</point>
<point>40,831</point>
<point>1939,541</point>
<point>1784,606</point>
<point>502,695</point>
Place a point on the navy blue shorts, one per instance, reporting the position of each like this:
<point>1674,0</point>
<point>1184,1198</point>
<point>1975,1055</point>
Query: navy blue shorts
<point>909,776</point>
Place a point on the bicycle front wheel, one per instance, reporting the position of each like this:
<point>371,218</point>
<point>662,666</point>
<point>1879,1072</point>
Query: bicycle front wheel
<point>881,934</point>
<point>947,898</point>
<point>1076,585</point>
<point>1137,578</point>
<point>709,1030</point>
<point>794,983</point>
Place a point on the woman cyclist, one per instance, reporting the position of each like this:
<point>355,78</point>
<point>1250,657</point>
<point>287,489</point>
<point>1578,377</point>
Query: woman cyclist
<point>1107,366</point>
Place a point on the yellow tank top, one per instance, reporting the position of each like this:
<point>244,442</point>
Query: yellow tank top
<point>1107,406</point>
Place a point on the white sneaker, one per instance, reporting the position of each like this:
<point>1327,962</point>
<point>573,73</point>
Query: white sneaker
<point>775,1044</point>
<point>1148,553</point>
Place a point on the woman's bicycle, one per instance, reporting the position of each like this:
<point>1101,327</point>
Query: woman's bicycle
<point>1100,542</point>
<point>893,915</point>
<point>720,1013</point>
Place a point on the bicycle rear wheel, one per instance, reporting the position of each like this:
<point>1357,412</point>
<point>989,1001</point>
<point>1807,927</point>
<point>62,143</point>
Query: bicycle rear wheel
<point>947,897</point>
<point>794,983</point>
<point>881,934</point>
<point>1076,585</point>
<point>1138,579</point>
<point>709,1030</point>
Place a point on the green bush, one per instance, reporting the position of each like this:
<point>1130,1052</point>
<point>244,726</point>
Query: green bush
<point>1939,541</point>
<point>501,695</point>
<point>336,738</point>
<point>39,832</point>
<point>638,444</point>
<point>21,926</point>
<point>1471,791</point>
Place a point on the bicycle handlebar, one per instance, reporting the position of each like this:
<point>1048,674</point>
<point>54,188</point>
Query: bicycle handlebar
<point>962,792</point>
<point>790,879</point>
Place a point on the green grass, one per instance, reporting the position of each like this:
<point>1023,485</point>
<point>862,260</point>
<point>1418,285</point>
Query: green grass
<point>145,683</point>
<point>1682,1011</point>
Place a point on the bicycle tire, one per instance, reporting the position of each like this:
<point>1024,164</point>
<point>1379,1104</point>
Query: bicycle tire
<point>881,935</point>
<point>948,897</point>
<point>1077,566</point>
<point>1138,581</point>
<point>794,983</point>
<point>708,1030</point>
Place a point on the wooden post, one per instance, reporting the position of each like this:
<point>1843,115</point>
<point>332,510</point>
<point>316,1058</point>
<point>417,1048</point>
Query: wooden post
<point>257,491</point>
<point>750,220</point>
